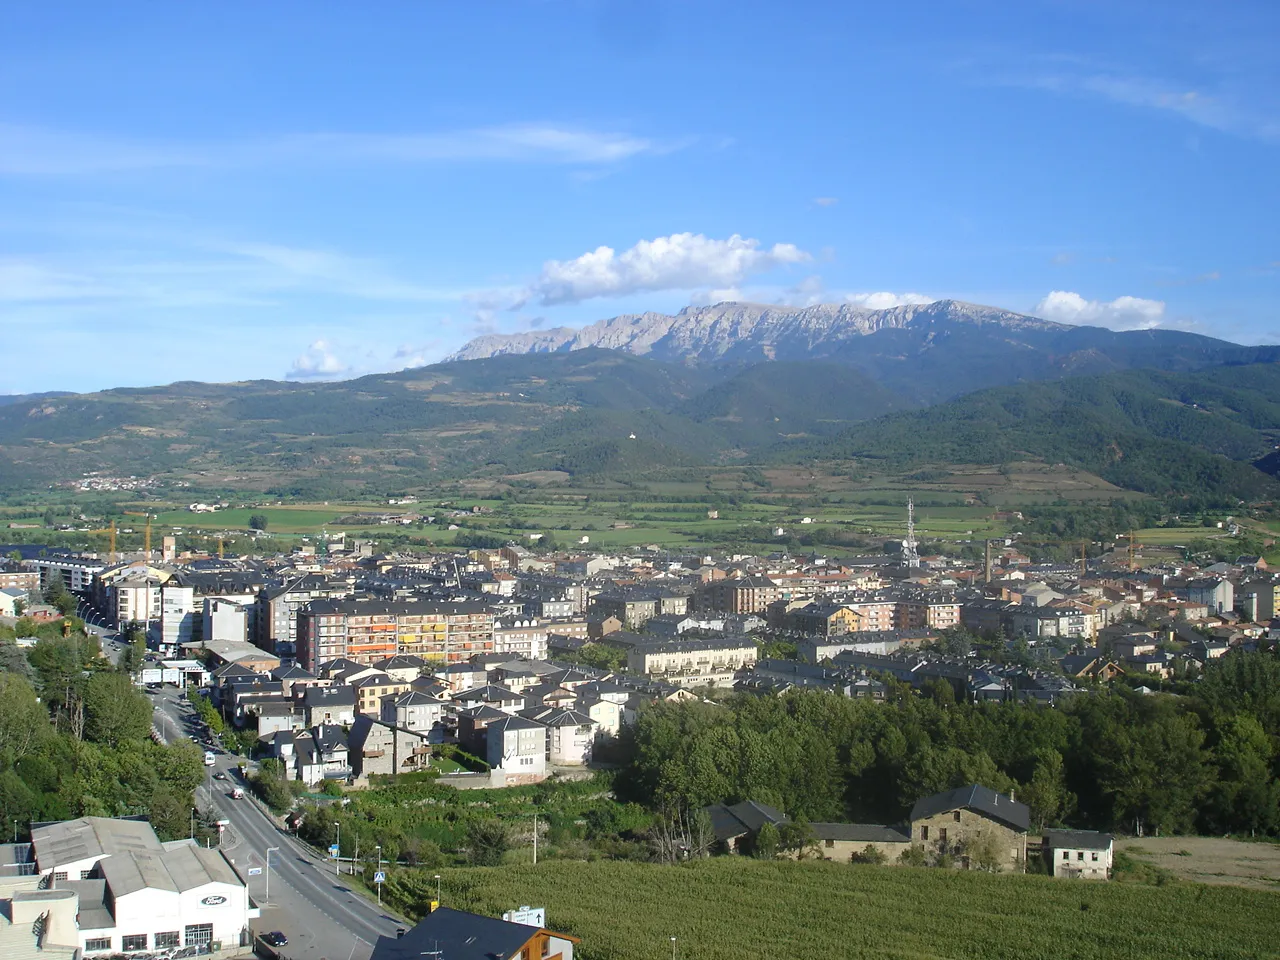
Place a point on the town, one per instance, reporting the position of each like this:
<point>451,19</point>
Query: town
<point>347,668</point>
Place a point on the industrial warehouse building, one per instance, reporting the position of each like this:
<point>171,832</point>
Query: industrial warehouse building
<point>134,893</point>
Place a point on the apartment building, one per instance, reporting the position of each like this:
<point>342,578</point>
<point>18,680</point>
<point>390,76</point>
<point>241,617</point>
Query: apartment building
<point>692,663</point>
<point>521,637</point>
<point>367,631</point>
<point>276,620</point>
<point>19,580</point>
<point>740,595</point>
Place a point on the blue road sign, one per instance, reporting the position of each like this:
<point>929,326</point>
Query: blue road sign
<point>379,877</point>
<point>333,849</point>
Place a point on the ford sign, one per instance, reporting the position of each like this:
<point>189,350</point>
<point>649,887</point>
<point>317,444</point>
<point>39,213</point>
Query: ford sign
<point>214,901</point>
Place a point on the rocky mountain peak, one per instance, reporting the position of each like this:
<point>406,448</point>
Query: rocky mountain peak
<point>742,331</point>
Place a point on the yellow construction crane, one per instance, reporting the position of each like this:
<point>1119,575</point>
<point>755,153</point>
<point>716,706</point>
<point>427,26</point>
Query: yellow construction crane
<point>1132,536</point>
<point>110,530</point>
<point>146,543</point>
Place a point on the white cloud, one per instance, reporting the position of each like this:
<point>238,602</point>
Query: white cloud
<point>1217,110</point>
<point>883,300</point>
<point>1122,313</point>
<point>407,355</point>
<point>682,261</point>
<point>807,293</point>
<point>41,152</point>
<point>318,362</point>
<point>826,201</point>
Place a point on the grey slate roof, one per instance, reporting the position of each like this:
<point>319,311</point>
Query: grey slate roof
<point>457,936</point>
<point>740,819</point>
<point>979,799</point>
<point>1077,839</point>
<point>860,832</point>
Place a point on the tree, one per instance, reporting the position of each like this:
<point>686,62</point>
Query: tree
<point>766,842</point>
<point>14,660</point>
<point>259,521</point>
<point>796,837</point>
<point>114,710</point>
<point>487,842</point>
<point>57,594</point>
<point>23,720</point>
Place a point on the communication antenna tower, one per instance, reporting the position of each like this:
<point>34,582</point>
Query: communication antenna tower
<point>910,551</point>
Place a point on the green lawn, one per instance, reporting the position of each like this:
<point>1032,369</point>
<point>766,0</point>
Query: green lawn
<point>733,908</point>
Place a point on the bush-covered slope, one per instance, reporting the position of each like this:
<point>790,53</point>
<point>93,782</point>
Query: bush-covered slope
<point>1145,430</point>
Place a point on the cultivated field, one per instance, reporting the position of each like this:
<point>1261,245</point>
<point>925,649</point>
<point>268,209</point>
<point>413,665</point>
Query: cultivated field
<point>731,908</point>
<point>1211,860</point>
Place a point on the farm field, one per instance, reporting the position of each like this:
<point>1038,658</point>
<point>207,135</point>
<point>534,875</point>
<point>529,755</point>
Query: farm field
<point>1210,859</point>
<point>849,507</point>
<point>729,908</point>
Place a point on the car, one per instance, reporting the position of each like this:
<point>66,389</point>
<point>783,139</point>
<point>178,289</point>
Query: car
<point>275,939</point>
<point>219,775</point>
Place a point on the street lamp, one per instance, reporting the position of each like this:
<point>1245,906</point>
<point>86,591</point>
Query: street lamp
<point>267,894</point>
<point>673,948</point>
<point>437,889</point>
<point>337,863</point>
<point>377,871</point>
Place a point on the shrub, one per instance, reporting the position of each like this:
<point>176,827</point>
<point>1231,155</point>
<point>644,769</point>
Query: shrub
<point>870,854</point>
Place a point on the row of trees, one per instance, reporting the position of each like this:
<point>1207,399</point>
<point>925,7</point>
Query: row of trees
<point>75,741</point>
<point>1203,762</point>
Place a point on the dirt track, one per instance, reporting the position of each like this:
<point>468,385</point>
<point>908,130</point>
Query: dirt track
<point>1210,860</point>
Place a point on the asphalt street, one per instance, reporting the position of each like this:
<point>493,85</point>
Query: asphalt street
<point>322,917</point>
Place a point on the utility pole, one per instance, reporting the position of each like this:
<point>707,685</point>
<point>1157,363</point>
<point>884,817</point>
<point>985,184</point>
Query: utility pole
<point>337,856</point>
<point>267,894</point>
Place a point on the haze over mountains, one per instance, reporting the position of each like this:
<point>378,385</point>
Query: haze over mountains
<point>1159,411</point>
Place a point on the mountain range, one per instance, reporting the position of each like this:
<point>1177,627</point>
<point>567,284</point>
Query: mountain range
<point>1158,411</point>
<point>924,352</point>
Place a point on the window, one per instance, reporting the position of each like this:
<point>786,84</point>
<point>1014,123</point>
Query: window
<point>956,816</point>
<point>133,942</point>
<point>59,875</point>
<point>1080,855</point>
<point>98,943</point>
<point>924,833</point>
<point>86,874</point>
<point>1094,857</point>
<point>1066,854</point>
<point>942,835</point>
<point>168,940</point>
<point>830,843</point>
<point>199,934</point>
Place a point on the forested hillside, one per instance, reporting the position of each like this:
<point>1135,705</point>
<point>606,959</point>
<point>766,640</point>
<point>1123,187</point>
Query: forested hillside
<point>599,413</point>
<point>1159,433</point>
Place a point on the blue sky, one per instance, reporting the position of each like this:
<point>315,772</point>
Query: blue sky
<point>234,191</point>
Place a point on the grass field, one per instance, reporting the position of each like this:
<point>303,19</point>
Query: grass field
<point>731,908</point>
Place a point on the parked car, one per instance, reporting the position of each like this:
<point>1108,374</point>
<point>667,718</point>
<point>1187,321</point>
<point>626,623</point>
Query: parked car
<point>275,939</point>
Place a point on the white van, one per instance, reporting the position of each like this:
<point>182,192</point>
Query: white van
<point>209,758</point>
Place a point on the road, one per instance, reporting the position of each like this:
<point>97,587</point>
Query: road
<point>323,918</point>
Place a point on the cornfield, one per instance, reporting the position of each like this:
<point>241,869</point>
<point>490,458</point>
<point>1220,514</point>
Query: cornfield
<point>733,908</point>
